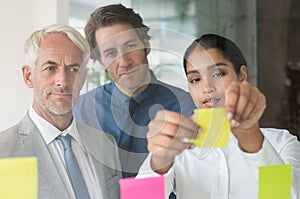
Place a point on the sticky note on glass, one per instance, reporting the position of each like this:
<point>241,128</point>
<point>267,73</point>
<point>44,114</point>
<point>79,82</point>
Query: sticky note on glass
<point>146,188</point>
<point>275,182</point>
<point>215,127</point>
<point>18,178</point>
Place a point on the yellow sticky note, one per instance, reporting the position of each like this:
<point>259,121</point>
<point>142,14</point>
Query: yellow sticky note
<point>275,182</point>
<point>18,178</point>
<point>215,127</point>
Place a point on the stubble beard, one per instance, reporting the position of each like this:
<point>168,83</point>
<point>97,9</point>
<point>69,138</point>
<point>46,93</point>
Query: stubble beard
<point>60,107</point>
<point>133,85</point>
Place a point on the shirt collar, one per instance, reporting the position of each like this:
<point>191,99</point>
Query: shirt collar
<point>50,132</point>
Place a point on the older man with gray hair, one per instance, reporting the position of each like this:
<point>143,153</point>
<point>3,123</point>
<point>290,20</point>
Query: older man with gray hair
<point>74,160</point>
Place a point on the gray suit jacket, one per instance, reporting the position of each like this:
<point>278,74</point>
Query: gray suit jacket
<point>24,139</point>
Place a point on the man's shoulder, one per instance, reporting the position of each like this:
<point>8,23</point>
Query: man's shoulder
<point>108,87</point>
<point>90,97</point>
<point>93,133</point>
<point>99,91</point>
<point>11,131</point>
<point>10,141</point>
<point>173,89</point>
<point>174,94</point>
<point>174,98</point>
<point>24,127</point>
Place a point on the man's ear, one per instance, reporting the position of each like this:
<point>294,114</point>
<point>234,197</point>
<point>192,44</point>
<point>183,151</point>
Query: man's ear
<point>243,73</point>
<point>27,75</point>
<point>147,46</point>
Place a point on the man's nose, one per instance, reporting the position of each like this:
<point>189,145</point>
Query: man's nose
<point>61,78</point>
<point>124,60</point>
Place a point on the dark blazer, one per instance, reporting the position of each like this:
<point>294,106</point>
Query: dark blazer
<point>24,139</point>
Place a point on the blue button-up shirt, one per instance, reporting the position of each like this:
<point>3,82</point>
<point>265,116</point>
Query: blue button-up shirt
<point>108,109</point>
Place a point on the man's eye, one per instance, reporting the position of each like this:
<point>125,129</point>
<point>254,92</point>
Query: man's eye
<point>111,54</point>
<point>194,80</point>
<point>130,46</point>
<point>50,68</point>
<point>74,70</point>
<point>219,74</point>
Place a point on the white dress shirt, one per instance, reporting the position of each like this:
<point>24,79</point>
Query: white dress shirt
<point>214,173</point>
<point>49,134</point>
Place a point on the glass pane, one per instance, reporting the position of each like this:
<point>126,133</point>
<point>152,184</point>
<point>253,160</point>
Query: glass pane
<point>175,24</point>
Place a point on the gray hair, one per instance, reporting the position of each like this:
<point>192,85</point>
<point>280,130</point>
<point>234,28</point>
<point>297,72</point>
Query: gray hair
<point>32,43</point>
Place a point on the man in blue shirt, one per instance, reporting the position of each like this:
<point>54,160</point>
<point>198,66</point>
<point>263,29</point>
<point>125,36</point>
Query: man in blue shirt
<point>120,42</point>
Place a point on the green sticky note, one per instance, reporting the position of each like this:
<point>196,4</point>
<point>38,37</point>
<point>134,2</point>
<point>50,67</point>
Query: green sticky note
<point>18,178</point>
<point>215,127</point>
<point>275,182</point>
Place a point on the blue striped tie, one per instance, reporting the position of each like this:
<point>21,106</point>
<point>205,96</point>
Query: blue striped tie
<point>73,169</point>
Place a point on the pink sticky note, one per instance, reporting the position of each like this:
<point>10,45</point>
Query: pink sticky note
<point>142,188</point>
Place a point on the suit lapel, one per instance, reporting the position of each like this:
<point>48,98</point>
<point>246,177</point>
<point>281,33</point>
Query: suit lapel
<point>102,156</point>
<point>49,177</point>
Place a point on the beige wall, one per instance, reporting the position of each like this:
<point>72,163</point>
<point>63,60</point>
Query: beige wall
<point>18,19</point>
